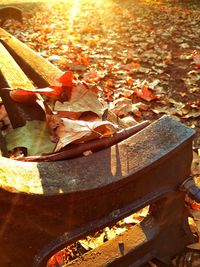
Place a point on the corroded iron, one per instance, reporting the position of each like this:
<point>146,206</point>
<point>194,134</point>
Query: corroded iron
<point>47,205</point>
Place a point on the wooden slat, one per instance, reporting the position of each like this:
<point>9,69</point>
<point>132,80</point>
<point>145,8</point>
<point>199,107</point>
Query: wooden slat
<point>12,76</point>
<point>40,70</point>
<point>12,73</point>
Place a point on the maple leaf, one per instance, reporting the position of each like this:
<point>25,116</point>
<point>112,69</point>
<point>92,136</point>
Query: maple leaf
<point>145,94</point>
<point>82,99</point>
<point>67,79</point>
<point>70,131</point>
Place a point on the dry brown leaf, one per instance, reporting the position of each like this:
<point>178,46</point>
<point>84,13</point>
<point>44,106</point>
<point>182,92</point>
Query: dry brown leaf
<point>170,110</point>
<point>82,99</point>
<point>122,106</point>
<point>192,114</point>
<point>91,242</point>
<point>70,131</point>
<point>128,121</point>
<point>195,167</point>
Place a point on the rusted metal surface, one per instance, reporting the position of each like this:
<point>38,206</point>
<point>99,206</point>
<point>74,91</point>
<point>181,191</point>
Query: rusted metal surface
<point>42,201</point>
<point>165,230</point>
<point>46,205</point>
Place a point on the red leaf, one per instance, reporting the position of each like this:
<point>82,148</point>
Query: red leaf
<point>145,94</point>
<point>56,260</point>
<point>23,96</point>
<point>67,79</point>
<point>196,58</point>
<point>55,93</point>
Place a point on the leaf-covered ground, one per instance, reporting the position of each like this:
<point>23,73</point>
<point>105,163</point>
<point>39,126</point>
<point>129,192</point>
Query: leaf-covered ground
<point>123,47</point>
<point>144,56</point>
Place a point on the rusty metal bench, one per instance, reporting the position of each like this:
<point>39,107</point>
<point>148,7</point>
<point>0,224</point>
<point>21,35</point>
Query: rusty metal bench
<point>45,206</point>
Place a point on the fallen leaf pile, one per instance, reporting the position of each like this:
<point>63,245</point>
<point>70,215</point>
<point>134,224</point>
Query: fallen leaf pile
<point>94,241</point>
<point>65,122</point>
<point>139,50</point>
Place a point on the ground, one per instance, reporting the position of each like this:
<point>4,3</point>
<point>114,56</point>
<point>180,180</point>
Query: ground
<point>144,56</point>
<point>123,45</point>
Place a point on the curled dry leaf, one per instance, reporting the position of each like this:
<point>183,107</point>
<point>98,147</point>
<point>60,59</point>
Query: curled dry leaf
<point>27,96</point>
<point>122,106</point>
<point>23,96</point>
<point>67,79</point>
<point>79,131</point>
<point>82,99</point>
<point>145,94</point>
<point>92,242</point>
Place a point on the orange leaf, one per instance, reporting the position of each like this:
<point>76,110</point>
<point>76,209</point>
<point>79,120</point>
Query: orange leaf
<point>67,79</point>
<point>135,65</point>
<point>145,94</point>
<point>56,260</point>
<point>23,96</point>
<point>55,93</point>
<point>195,206</point>
<point>196,58</point>
<point>109,83</point>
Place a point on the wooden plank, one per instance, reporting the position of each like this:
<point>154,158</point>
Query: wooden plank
<point>12,76</point>
<point>12,73</point>
<point>41,71</point>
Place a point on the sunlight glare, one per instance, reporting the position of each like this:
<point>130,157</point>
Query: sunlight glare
<point>74,11</point>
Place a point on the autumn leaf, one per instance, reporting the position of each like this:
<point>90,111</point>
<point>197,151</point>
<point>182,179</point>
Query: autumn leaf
<point>70,131</point>
<point>82,99</point>
<point>145,94</point>
<point>91,77</point>
<point>92,242</point>
<point>195,166</point>
<point>57,259</point>
<point>122,106</point>
<point>23,95</point>
<point>196,58</point>
<point>67,79</point>
<point>34,136</point>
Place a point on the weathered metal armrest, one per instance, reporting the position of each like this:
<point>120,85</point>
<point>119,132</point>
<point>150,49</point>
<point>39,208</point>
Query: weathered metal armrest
<point>139,153</point>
